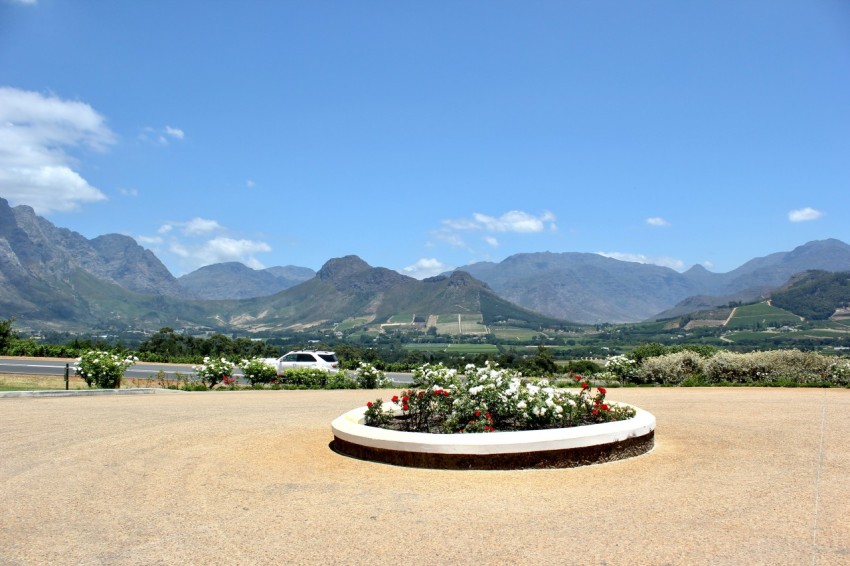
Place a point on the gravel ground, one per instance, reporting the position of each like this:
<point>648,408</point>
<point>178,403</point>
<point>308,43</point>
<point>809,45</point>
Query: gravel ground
<point>738,476</point>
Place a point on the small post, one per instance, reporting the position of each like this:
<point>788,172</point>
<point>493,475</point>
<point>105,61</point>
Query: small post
<point>67,370</point>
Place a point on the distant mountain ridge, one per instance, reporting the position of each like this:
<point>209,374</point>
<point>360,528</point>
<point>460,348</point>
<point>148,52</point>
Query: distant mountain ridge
<point>590,288</point>
<point>54,277</point>
<point>233,280</point>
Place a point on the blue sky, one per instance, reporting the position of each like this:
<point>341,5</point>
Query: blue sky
<point>423,136</point>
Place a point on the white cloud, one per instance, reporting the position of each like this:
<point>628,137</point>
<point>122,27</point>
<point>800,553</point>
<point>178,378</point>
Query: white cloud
<point>657,221</point>
<point>27,2</point>
<point>492,241</point>
<point>175,132</point>
<point>670,262</point>
<point>161,135</point>
<point>149,240</point>
<point>425,267</point>
<point>804,215</point>
<point>197,226</point>
<point>129,192</point>
<point>35,132</point>
<point>512,221</point>
<point>219,250</point>
<point>250,184</point>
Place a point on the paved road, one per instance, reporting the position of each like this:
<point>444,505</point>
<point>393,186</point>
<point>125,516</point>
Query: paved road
<point>142,370</point>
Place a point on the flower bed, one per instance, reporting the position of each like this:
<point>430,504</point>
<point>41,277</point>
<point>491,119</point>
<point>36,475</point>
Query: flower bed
<point>548,448</point>
<point>488,418</point>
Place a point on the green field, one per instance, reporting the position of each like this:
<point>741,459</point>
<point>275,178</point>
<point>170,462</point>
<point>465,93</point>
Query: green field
<point>454,348</point>
<point>750,316</point>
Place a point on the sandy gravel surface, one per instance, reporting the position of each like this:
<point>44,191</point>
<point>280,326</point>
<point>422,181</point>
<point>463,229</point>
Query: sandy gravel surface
<point>738,476</point>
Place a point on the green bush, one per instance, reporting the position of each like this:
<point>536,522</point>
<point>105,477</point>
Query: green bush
<point>369,377</point>
<point>257,371</point>
<point>102,368</point>
<point>307,378</point>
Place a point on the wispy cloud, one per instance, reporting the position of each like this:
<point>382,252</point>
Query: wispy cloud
<point>36,130</point>
<point>189,244</point>
<point>804,215</point>
<point>161,135</point>
<point>425,267</point>
<point>515,222</point>
<point>249,184</point>
<point>670,262</point>
<point>657,221</point>
<point>197,226</point>
<point>511,221</point>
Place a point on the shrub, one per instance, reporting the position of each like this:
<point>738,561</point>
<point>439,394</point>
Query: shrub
<point>214,370</point>
<point>622,366</point>
<point>787,367</point>
<point>369,377</point>
<point>670,369</point>
<point>306,378</point>
<point>340,380</point>
<point>257,371</point>
<point>102,368</point>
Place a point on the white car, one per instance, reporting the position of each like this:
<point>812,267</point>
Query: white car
<point>314,359</point>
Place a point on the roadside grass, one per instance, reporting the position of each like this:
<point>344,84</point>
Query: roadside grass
<point>23,382</point>
<point>26,382</point>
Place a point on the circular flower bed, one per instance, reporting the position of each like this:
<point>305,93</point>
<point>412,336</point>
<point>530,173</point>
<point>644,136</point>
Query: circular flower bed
<point>487,418</point>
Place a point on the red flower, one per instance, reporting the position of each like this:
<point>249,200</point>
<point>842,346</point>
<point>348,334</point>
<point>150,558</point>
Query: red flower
<point>395,398</point>
<point>578,378</point>
<point>477,413</point>
<point>369,404</point>
<point>602,390</point>
<point>594,412</point>
<point>605,407</point>
<point>405,398</point>
<point>445,393</point>
<point>584,385</point>
<point>405,407</point>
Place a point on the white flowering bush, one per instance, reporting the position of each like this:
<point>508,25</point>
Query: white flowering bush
<point>370,377</point>
<point>490,399</point>
<point>670,369</point>
<point>103,369</point>
<point>256,370</point>
<point>622,366</point>
<point>772,367</point>
<point>839,372</point>
<point>214,370</point>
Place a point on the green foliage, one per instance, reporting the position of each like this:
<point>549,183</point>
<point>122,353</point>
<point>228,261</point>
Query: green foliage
<point>817,296</point>
<point>214,370</point>
<point>102,369</point>
<point>369,377</point>
<point>304,378</point>
<point>257,371</point>
<point>6,335</point>
<point>582,367</point>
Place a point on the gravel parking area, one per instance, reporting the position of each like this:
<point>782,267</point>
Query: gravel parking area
<point>738,476</point>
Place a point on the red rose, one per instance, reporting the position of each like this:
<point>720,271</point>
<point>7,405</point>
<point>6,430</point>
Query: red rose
<point>405,398</point>
<point>405,407</point>
<point>584,385</point>
<point>477,413</point>
<point>594,412</point>
<point>602,390</point>
<point>605,407</point>
<point>369,404</point>
<point>395,398</point>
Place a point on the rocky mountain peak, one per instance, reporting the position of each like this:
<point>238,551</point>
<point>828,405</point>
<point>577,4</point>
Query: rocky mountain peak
<point>342,267</point>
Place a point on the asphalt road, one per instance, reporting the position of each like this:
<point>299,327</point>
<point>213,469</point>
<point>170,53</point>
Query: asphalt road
<point>141,370</point>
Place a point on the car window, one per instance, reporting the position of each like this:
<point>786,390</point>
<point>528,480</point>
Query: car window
<point>306,358</point>
<point>290,357</point>
<point>331,358</point>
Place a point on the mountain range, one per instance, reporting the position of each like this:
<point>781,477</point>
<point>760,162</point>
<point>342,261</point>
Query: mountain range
<point>54,278</point>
